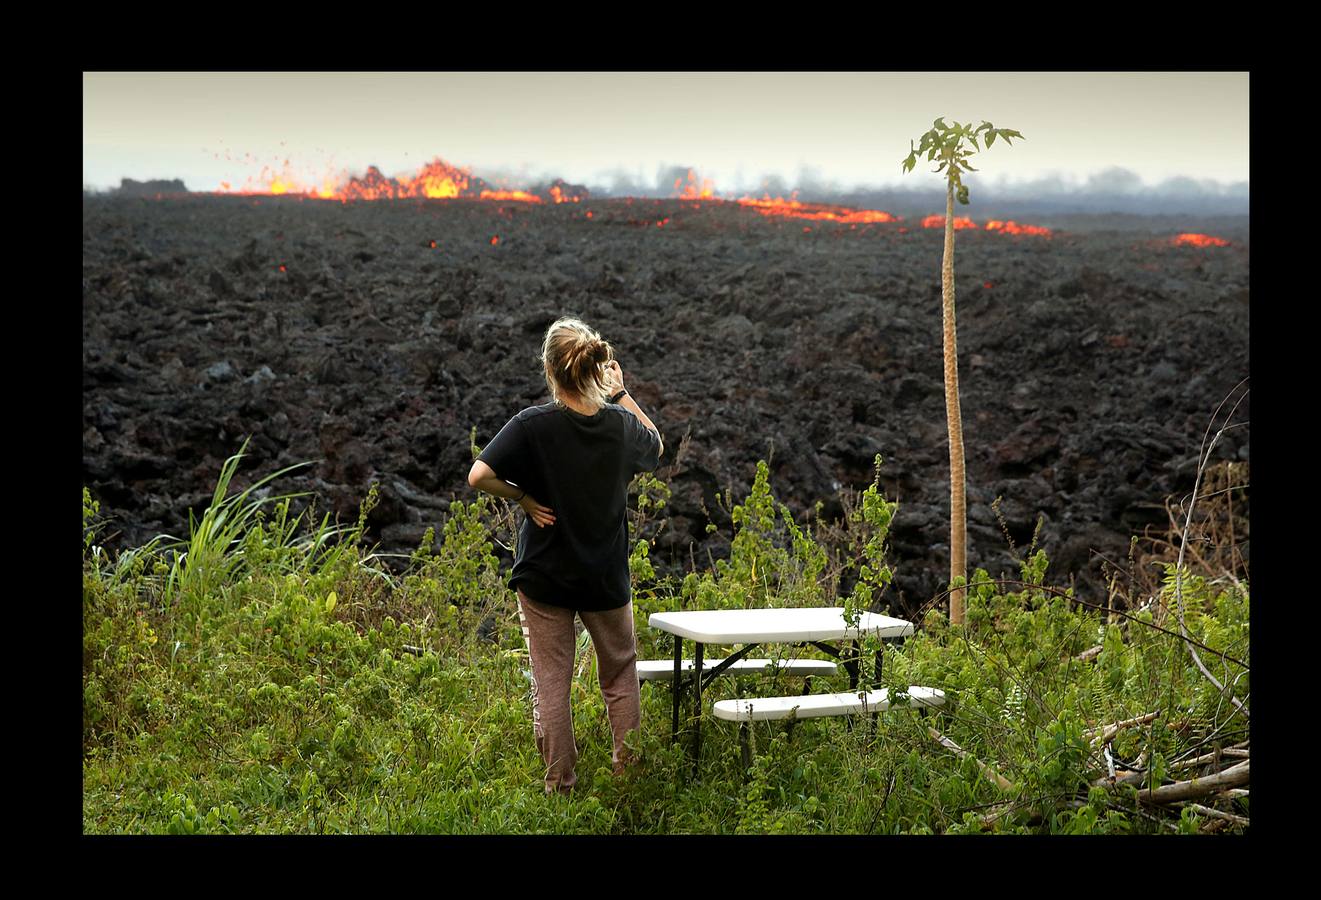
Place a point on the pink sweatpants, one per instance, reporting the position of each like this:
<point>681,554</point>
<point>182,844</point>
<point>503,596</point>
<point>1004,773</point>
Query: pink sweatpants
<point>549,633</point>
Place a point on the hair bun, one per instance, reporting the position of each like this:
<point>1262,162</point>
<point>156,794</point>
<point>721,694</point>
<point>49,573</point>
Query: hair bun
<point>573,356</point>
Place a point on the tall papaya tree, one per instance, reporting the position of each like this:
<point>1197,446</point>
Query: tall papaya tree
<point>952,145</point>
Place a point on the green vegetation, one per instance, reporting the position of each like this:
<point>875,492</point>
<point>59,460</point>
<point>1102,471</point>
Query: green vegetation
<point>946,143</point>
<point>269,675</point>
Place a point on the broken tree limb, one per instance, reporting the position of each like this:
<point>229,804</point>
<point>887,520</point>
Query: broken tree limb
<point>1003,783</point>
<point>1106,733</point>
<point>1234,776</point>
<point>1134,777</point>
<point>1208,758</point>
<point>1218,814</point>
<point>1089,654</point>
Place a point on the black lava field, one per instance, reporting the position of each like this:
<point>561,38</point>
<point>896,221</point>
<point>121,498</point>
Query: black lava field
<point>372,336</point>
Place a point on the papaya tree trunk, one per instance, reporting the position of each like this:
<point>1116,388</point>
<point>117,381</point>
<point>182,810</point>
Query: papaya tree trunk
<point>958,511</point>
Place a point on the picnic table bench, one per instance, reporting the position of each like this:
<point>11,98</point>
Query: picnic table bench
<point>663,669</point>
<point>815,626</point>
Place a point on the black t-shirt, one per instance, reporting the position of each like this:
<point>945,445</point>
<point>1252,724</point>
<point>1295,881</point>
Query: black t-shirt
<point>579,466</point>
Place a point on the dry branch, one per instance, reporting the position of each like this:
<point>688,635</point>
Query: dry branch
<point>1218,814</point>
<point>1104,734</point>
<point>1089,654</point>
<point>1234,776</point>
<point>1003,783</point>
<point>1207,758</point>
<point>1183,547</point>
<point>1135,777</point>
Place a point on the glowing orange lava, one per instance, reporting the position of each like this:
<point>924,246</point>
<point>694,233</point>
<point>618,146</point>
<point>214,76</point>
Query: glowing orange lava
<point>520,196</point>
<point>1009,227</point>
<point>1012,227</point>
<point>692,189</point>
<point>441,180</point>
<point>939,222</point>
<point>435,180</point>
<point>1200,240</point>
<point>822,212</point>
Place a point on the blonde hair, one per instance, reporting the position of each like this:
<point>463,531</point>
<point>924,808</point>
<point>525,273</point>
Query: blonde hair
<point>573,356</point>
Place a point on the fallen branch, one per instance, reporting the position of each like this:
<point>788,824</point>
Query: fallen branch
<point>1104,734</point>
<point>1003,783</point>
<point>1234,776</point>
<point>1233,793</point>
<point>1134,777</point>
<point>1217,814</point>
<point>1090,653</point>
<point>1206,758</point>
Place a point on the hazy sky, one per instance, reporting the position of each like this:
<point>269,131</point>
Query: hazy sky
<point>735,128</point>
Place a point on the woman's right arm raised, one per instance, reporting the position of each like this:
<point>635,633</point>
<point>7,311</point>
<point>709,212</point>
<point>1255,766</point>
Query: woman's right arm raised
<point>616,376</point>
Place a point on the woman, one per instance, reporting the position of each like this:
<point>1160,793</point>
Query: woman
<point>568,464</point>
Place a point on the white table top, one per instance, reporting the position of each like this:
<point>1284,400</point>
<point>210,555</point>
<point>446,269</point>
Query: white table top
<point>729,626</point>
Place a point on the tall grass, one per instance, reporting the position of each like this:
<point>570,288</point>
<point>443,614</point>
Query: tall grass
<point>204,562</point>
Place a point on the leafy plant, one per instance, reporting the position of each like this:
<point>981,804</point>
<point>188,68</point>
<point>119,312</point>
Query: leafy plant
<point>946,143</point>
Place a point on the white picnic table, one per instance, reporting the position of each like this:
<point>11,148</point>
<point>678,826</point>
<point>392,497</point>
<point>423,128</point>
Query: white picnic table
<point>793,625</point>
<point>813,625</point>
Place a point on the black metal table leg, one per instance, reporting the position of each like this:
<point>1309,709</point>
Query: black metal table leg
<point>676,686</point>
<point>697,706</point>
<point>851,666</point>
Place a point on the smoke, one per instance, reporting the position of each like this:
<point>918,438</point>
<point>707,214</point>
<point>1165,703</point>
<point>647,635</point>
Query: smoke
<point>1112,190</point>
<point>668,177</point>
